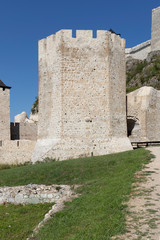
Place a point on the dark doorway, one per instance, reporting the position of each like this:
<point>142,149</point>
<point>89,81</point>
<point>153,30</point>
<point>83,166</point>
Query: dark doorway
<point>130,126</point>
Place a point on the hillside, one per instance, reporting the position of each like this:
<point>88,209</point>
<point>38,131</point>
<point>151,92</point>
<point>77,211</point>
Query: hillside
<point>143,73</point>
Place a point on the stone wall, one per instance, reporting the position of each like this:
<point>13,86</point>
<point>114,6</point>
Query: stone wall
<point>155,42</point>
<point>24,131</point>
<point>4,113</point>
<point>82,103</point>
<point>140,51</point>
<point>143,110</point>
<point>16,152</point>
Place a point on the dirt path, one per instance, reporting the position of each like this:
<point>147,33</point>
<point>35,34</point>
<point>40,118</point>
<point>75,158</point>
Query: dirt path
<point>143,218</point>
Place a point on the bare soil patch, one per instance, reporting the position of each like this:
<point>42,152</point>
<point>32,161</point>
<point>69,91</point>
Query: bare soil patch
<point>143,216</point>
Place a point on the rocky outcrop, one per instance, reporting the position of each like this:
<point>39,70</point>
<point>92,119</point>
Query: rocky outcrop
<point>22,118</point>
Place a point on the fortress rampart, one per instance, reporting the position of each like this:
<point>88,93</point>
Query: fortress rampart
<point>16,152</point>
<point>141,51</point>
<point>82,84</point>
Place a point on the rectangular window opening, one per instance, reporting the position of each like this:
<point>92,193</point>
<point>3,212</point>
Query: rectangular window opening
<point>94,34</point>
<point>73,33</point>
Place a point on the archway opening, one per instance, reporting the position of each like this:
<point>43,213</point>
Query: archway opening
<point>130,125</point>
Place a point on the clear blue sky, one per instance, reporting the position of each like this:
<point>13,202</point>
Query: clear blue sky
<point>23,23</point>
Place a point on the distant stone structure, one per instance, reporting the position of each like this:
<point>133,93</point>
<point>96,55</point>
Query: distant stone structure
<point>141,51</point>
<point>23,131</point>
<point>155,41</point>
<point>13,152</point>
<point>143,113</point>
<point>4,112</point>
<point>82,100</point>
<point>24,128</point>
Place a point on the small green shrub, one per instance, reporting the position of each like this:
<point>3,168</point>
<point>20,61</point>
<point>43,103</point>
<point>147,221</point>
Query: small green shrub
<point>34,108</point>
<point>142,79</point>
<point>131,89</point>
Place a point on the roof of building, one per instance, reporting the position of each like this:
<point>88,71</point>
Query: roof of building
<point>2,85</point>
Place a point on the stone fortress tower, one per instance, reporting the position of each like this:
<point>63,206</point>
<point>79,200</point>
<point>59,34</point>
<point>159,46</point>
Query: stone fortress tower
<point>4,112</point>
<point>155,41</point>
<point>82,95</point>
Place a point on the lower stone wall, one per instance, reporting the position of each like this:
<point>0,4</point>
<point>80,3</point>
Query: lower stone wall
<point>63,149</point>
<point>16,152</point>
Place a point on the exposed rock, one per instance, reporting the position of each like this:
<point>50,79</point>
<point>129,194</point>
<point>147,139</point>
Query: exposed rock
<point>20,117</point>
<point>34,117</point>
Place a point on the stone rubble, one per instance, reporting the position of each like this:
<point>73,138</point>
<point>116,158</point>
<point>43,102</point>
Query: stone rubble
<point>34,194</point>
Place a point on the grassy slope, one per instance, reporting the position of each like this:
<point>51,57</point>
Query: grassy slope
<point>98,213</point>
<point>17,222</point>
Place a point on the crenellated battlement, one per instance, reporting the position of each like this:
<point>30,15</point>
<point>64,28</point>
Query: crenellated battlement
<point>82,37</point>
<point>85,34</point>
<point>156,9</point>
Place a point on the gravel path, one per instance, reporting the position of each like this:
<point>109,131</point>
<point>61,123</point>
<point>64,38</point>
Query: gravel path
<point>143,218</point>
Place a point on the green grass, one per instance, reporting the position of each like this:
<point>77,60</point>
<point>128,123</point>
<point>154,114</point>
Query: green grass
<point>34,108</point>
<point>137,68</point>
<point>17,222</point>
<point>131,89</point>
<point>99,212</point>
